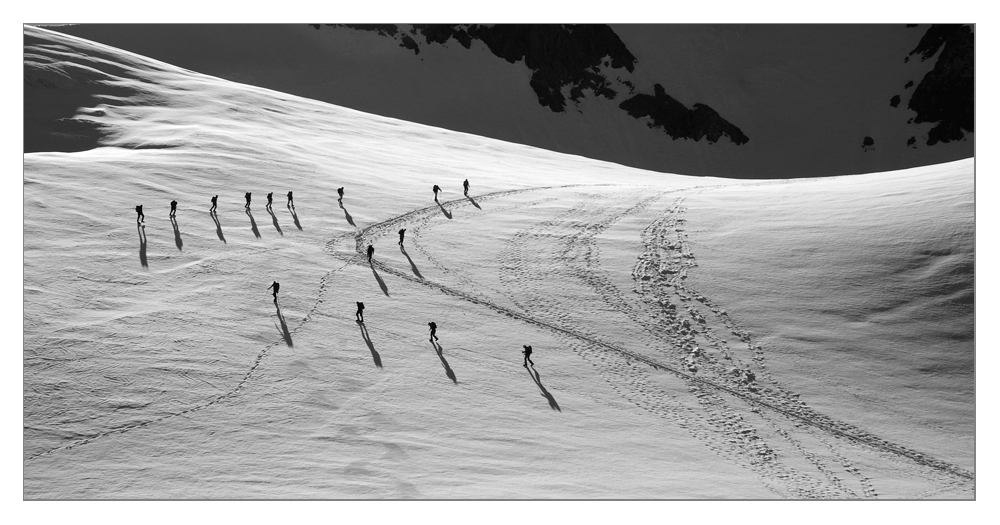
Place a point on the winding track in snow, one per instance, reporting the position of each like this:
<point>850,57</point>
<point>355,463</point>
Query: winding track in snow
<point>256,363</point>
<point>793,410</point>
<point>369,233</point>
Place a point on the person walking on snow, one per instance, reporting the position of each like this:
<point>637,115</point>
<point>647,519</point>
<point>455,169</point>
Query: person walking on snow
<point>268,205</point>
<point>436,190</point>
<point>291,201</point>
<point>527,356</point>
<point>173,208</point>
<point>139,216</point>
<point>434,329</point>
<point>401,232</point>
<point>275,285</point>
<point>360,316</point>
<point>465,186</point>
<point>371,251</point>
<point>340,193</point>
<point>214,201</point>
<point>248,200</point>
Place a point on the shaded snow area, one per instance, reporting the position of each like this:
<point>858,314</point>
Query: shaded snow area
<point>693,338</point>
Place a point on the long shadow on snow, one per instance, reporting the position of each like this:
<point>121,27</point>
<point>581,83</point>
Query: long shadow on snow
<point>381,283</point>
<point>348,216</point>
<point>474,203</point>
<point>142,245</point>
<point>447,369</point>
<point>295,216</point>
<point>218,226</point>
<point>275,221</point>
<point>177,234</point>
<point>444,211</point>
<point>412,266</point>
<point>545,393</point>
<point>253,224</point>
<point>284,327</point>
<point>368,341</point>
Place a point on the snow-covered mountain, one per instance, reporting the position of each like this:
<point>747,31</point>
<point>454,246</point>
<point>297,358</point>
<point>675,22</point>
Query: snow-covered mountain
<point>742,101</point>
<point>693,337</point>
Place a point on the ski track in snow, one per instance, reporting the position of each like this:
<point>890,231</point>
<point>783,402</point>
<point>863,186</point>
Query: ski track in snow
<point>746,421</point>
<point>732,437</point>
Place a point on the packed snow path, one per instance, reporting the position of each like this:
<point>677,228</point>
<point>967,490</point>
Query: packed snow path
<point>694,338</point>
<point>757,424</point>
<point>659,276</point>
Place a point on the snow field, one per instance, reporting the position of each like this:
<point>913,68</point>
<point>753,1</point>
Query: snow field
<point>164,370</point>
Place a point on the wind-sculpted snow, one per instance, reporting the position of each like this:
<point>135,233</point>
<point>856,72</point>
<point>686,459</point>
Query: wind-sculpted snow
<point>157,365</point>
<point>690,346</point>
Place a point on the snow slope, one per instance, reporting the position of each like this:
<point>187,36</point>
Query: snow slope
<point>806,95</point>
<point>157,366</point>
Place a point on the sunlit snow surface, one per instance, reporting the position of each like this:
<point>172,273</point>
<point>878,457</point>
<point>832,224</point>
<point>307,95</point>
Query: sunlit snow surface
<point>157,366</point>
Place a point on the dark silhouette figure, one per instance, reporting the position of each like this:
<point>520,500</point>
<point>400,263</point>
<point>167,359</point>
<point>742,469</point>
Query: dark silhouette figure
<point>537,378</point>
<point>253,224</point>
<point>139,215</point>
<point>340,193</point>
<point>218,226</point>
<point>285,334</point>
<point>371,347</point>
<point>177,233</point>
<point>401,232</point>
<point>447,368</point>
<point>527,356</point>
<point>436,190</point>
<point>214,203</point>
<point>248,200</point>
<point>360,316</point>
<point>268,205</point>
<point>465,187</point>
<point>142,245</point>
<point>371,251</point>
<point>173,208</point>
<point>295,216</point>
<point>275,286</point>
<point>291,202</point>
<point>274,219</point>
<point>434,329</point>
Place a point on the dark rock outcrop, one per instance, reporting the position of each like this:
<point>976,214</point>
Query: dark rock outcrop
<point>678,121</point>
<point>569,61</point>
<point>946,95</point>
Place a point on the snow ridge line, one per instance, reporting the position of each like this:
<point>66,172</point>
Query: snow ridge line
<point>851,433</point>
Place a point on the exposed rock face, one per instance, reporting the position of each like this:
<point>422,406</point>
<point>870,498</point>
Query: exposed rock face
<point>568,61</point>
<point>946,95</point>
<point>806,95</point>
<point>678,121</point>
